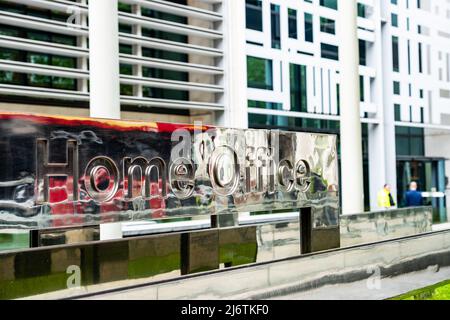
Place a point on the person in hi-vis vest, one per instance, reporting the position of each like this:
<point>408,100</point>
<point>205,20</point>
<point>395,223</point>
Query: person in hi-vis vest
<point>385,199</point>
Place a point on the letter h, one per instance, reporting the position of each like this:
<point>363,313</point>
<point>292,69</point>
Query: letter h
<point>45,170</point>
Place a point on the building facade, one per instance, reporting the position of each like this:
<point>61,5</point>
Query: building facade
<point>404,45</point>
<point>171,55</point>
<point>256,63</point>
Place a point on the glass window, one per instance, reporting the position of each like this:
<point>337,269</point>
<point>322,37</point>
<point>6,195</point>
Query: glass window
<point>361,89</point>
<point>402,146</point>
<point>169,94</point>
<point>126,69</point>
<point>38,58</point>
<point>124,7</point>
<point>299,99</point>
<point>35,12</point>
<point>420,58</point>
<point>125,28</point>
<point>37,35</point>
<point>265,105</point>
<point>65,62</point>
<point>292,23</point>
<point>254,20</point>
<point>309,31</point>
<point>329,51</point>
<point>125,49</point>
<point>327,25</point>
<point>9,31</point>
<point>146,12</point>
<point>170,36</point>
<point>8,77</point>
<point>164,74</point>
<point>10,54</point>
<point>162,54</point>
<point>394,20</point>
<point>396,87</point>
<point>362,53</point>
<point>275,22</point>
<point>293,124</point>
<point>126,89</point>
<point>409,56</point>
<point>64,83</point>
<point>259,73</point>
<point>270,121</point>
<point>395,54</point>
<point>63,39</point>
<point>409,141</point>
<point>332,4</point>
<point>361,10</point>
<point>163,35</point>
<point>417,146</point>
<point>37,80</point>
<point>397,112</point>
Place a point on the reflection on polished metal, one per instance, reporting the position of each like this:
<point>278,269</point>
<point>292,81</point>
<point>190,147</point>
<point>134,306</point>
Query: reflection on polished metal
<point>61,177</point>
<point>220,171</point>
<point>384,225</point>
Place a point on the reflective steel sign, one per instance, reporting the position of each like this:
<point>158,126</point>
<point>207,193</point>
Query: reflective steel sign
<point>63,171</point>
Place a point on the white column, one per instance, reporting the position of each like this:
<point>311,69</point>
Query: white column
<point>235,64</point>
<point>104,75</point>
<point>111,231</point>
<point>377,146</point>
<point>104,59</point>
<point>389,146</point>
<point>351,144</point>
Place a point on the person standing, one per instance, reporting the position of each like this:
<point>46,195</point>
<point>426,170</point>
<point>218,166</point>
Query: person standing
<point>385,199</point>
<point>413,198</point>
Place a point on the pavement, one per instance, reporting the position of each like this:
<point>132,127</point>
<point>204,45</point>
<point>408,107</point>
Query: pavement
<point>373,288</point>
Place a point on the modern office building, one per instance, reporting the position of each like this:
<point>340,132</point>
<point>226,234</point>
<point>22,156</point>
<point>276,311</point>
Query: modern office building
<point>172,57</point>
<point>404,45</point>
<point>257,63</point>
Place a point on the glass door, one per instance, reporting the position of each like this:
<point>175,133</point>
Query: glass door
<point>430,177</point>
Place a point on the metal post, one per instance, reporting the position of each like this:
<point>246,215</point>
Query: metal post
<point>351,144</point>
<point>305,231</point>
<point>34,241</point>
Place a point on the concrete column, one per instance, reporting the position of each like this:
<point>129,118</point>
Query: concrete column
<point>389,146</point>
<point>377,146</point>
<point>104,59</point>
<point>351,144</point>
<point>235,64</point>
<point>137,50</point>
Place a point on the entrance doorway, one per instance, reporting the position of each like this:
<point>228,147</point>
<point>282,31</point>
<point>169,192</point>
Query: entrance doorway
<point>429,173</point>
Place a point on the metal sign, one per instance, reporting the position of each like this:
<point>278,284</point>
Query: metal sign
<point>64,171</point>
